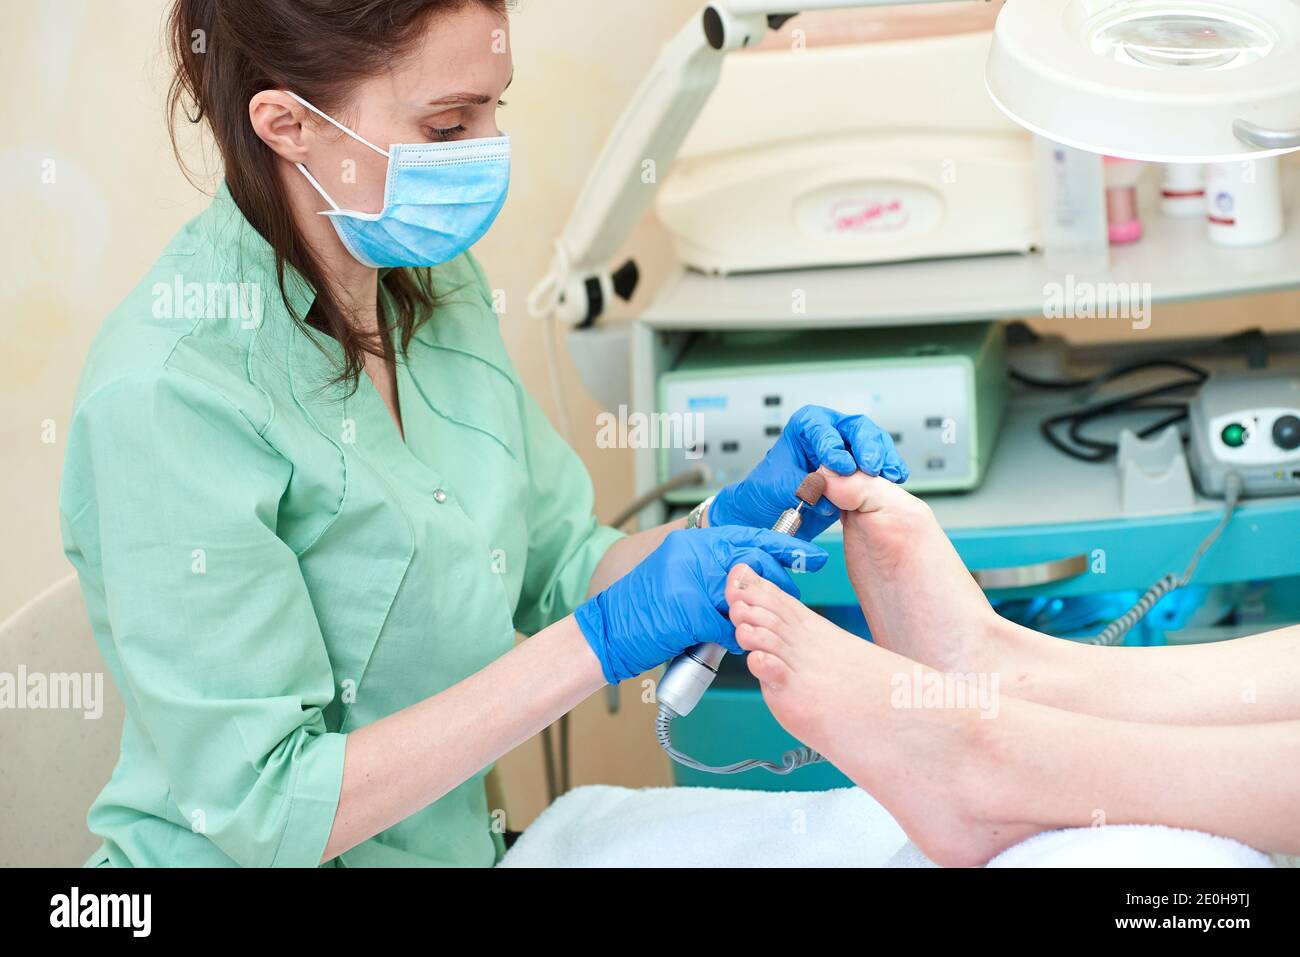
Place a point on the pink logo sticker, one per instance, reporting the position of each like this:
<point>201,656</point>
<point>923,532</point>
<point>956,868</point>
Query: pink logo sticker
<point>868,215</point>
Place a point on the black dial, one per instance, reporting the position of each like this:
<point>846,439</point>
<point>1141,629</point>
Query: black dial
<point>1286,432</point>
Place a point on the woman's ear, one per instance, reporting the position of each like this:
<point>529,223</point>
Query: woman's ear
<point>278,119</point>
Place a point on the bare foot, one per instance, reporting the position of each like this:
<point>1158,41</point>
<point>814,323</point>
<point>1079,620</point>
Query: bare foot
<point>919,598</point>
<point>930,765</point>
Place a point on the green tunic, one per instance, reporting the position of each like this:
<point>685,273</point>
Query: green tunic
<point>268,565</point>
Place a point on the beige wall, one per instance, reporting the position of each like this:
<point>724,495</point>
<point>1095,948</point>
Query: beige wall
<point>91,193</point>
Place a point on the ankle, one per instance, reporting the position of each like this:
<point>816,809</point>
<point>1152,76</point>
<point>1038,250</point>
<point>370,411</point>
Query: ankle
<point>985,774</point>
<point>1021,658</point>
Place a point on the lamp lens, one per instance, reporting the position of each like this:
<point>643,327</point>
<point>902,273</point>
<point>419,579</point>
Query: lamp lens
<point>1175,38</point>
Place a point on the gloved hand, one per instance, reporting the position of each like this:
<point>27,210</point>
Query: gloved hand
<point>813,437</point>
<point>675,598</point>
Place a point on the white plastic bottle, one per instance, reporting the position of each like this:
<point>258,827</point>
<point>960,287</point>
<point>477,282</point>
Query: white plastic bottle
<point>1182,193</point>
<point>1243,202</point>
<point>1072,207</point>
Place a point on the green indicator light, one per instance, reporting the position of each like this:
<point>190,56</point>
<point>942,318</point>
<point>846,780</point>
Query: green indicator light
<point>1234,436</point>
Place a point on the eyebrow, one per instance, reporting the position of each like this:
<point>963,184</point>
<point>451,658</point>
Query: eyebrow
<point>468,99</point>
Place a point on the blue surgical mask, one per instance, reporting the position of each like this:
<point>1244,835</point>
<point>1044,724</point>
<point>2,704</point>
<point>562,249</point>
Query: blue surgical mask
<point>439,199</point>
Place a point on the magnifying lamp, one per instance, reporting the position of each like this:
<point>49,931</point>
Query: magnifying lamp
<point>1177,81</point>
<point>1157,80</point>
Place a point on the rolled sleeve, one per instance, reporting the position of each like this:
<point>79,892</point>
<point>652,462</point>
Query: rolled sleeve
<point>315,799</point>
<point>171,496</point>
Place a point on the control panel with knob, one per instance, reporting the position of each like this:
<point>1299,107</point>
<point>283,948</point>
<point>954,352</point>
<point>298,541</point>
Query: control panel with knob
<point>1248,424</point>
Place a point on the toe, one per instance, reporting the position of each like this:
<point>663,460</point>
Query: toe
<point>770,670</point>
<point>744,613</point>
<point>785,608</point>
<point>744,585</point>
<point>756,638</point>
<point>739,582</point>
<point>846,492</point>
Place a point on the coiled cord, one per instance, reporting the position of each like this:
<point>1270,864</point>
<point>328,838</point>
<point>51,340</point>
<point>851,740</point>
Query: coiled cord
<point>792,760</point>
<point>1114,632</point>
<point>1121,626</point>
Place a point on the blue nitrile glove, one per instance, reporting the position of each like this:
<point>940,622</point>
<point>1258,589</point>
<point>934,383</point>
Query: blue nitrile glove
<point>676,597</point>
<point>813,437</point>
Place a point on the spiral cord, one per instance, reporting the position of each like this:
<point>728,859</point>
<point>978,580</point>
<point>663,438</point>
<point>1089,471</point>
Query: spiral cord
<point>1114,633</point>
<point>1117,629</point>
<point>792,760</point>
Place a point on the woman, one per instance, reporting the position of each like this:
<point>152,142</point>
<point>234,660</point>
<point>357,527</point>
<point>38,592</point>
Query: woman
<point>1204,737</point>
<point>310,503</point>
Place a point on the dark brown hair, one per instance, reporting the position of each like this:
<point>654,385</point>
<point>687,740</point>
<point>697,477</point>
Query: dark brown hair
<point>226,51</point>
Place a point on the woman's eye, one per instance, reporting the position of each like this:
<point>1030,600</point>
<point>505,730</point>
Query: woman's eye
<point>447,133</point>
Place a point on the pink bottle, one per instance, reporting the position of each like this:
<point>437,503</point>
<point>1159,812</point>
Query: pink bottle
<point>1122,200</point>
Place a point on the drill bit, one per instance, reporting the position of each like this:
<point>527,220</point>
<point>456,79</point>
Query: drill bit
<point>809,492</point>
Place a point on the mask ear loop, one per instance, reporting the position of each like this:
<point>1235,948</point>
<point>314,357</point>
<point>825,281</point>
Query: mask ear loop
<point>360,139</point>
<point>319,188</point>
<point>329,119</point>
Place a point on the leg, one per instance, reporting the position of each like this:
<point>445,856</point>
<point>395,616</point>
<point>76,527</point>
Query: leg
<point>1251,680</point>
<point>967,782</point>
<point>922,602</point>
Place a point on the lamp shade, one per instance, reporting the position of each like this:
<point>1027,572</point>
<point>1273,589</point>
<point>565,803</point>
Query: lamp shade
<point>1155,80</point>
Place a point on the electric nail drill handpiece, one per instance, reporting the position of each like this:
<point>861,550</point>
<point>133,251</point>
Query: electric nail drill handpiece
<point>690,674</point>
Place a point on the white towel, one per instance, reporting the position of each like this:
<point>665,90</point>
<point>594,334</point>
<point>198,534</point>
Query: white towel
<point>709,827</point>
<point>1117,845</point>
<point>714,827</point>
<point>1129,845</point>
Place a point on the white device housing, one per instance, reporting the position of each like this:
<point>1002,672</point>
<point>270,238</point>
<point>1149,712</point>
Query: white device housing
<point>577,286</point>
<point>786,168</point>
<point>1254,403</point>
